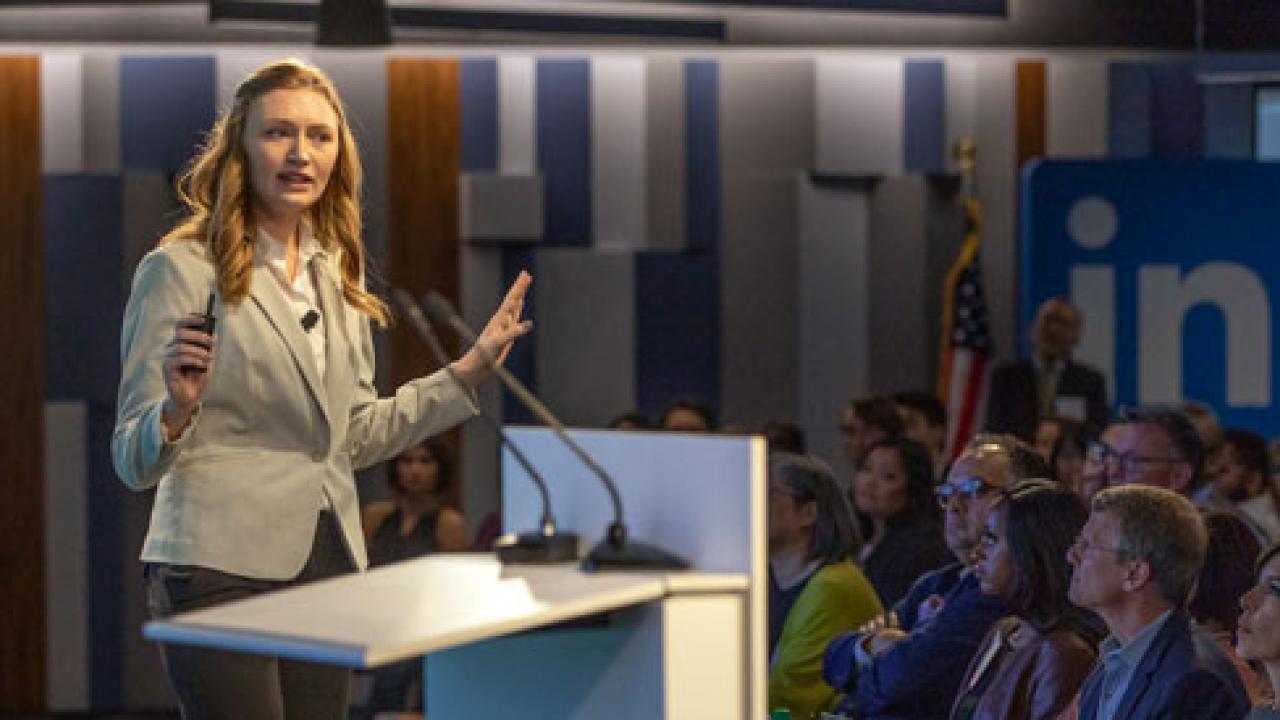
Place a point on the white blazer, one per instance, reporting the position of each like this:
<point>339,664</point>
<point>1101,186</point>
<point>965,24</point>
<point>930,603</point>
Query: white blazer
<point>240,490</point>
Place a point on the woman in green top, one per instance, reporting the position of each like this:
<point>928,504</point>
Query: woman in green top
<point>815,591</point>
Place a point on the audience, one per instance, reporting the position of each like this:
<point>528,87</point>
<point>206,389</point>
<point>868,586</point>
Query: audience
<point>1242,478</point>
<point>1258,632</point>
<point>865,421</point>
<point>1048,432</point>
<point>1066,457</point>
<point>924,419</point>
<point>1050,383</point>
<point>1031,664</point>
<point>1134,564</point>
<point>417,521</point>
<point>910,665</point>
<point>631,421</point>
<point>785,437</point>
<point>1227,574</point>
<point>687,416</point>
<point>815,591</point>
<point>1152,447</point>
<point>898,517</point>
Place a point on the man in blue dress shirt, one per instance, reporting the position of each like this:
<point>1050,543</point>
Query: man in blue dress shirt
<point>1135,564</point>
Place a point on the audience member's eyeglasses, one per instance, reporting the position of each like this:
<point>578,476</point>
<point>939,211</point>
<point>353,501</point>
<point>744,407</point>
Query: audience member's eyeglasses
<point>1104,454</point>
<point>968,488</point>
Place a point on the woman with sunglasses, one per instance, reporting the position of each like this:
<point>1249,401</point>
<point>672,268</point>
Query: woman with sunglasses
<point>1030,665</point>
<point>1258,630</point>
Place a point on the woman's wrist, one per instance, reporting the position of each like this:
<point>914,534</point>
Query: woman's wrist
<point>174,420</point>
<point>470,369</point>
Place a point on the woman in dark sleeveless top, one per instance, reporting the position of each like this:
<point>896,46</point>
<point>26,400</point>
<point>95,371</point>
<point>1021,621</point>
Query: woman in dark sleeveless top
<point>416,521</point>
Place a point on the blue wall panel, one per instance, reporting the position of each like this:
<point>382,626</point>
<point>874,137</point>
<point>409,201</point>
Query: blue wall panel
<point>480,115</point>
<point>1228,121</point>
<point>702,154</point>
<point>563,119</point>
<point>166,106</point>
<point>1177,111</point>
<point>84,303</point>
<point>924,137</point>
<point>1129,110</point>
<point>677,330</point>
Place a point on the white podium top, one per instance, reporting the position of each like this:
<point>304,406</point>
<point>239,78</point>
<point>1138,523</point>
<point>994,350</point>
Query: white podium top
<point>419,606</point>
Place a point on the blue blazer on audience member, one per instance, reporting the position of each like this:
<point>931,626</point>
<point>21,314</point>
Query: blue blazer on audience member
<point>1184,675</point>
<point>917,679</point>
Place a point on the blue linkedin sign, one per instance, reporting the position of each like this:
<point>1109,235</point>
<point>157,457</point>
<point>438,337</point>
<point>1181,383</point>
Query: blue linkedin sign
<point>1173,264</point>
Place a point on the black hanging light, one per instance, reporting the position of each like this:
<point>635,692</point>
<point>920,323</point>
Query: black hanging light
<point>353,22</point>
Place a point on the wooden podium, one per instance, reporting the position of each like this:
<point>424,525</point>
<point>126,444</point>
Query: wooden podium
<point>552,641</point>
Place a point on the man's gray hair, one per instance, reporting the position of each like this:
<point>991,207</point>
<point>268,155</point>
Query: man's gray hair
<point>1161,528</point>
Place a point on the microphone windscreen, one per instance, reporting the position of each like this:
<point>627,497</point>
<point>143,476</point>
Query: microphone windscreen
<point>438,308</point>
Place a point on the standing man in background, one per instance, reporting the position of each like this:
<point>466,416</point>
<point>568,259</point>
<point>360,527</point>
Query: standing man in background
<point>1050,383</point>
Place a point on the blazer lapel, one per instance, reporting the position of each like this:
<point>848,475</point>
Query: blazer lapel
<point>270,298</point>
<point>338,362</point>
<point>1142,678</point>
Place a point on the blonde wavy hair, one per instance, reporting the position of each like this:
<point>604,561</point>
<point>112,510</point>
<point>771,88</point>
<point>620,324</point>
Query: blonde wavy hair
<point>215,189</point>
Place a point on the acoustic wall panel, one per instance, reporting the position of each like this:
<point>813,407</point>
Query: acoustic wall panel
<point>62,112</point>
<point>563,116</point>
<point>962,104</point>
<point>424,151</point>
<point>760,161</point>
<point>100,71</point>
<point>1177,110</point>
<point>997,188</point>
<point>1030,111</point>
<point>236,65</point>
<point>84,308</point>
<point>702,155</point>
<point>677,330</point>
<point>665,144</point>
<point>481,289</point>
<point>66,553</point>
<point>860,115</point>
<point>619,154</point>
<point>1077,108</point>
<point>833,310</point>
<point>500,208</point>
<point>1129,93</point>
<point>480,126</point>
<point>1229,121</point>
<point>22,270</point>
<point>925,132</point>
<point>166,106</point>
<point>516,115</point>
<point>587,330</point>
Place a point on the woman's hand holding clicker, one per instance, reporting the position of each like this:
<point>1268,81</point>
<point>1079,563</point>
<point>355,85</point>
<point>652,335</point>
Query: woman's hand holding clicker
<point>187,366</point>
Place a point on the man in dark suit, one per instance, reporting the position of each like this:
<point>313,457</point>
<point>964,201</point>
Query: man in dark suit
<point>1135,564</point>
<point>1049,384</point>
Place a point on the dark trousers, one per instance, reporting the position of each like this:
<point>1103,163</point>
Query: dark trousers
<point>221,685</point>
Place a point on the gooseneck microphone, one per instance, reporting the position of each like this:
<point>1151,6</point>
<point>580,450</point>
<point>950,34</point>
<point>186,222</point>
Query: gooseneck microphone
<point>546,545</point>
<point>616,551</point>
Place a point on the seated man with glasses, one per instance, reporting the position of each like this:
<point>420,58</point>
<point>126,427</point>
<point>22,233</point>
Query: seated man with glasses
<point>1151,447</point>
<point>910,664</point>
<point>1135,564</point>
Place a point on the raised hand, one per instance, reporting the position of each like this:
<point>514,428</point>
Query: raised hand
<point>498,335</point>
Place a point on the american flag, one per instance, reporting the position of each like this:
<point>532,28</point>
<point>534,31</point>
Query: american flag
<point>965,367</point>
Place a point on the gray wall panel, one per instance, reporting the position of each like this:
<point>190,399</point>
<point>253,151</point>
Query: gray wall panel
<point>761,159</point>
<point>586,336</point>
<point>101,76</point>
<point>66,546</point>
<point>997,182</point>
<point>833,340</point>
<point>480,291</point>
<point>665,120</point>
<point>899,346</point>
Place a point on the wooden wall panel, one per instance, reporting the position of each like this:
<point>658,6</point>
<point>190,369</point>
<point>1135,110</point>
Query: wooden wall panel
<point>424,142</point>
<point>1031,108</point>
<point>22,576</point>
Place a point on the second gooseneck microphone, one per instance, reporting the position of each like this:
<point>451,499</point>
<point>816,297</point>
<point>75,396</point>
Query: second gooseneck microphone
<point>545,545</point>
<point>616,551</point>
